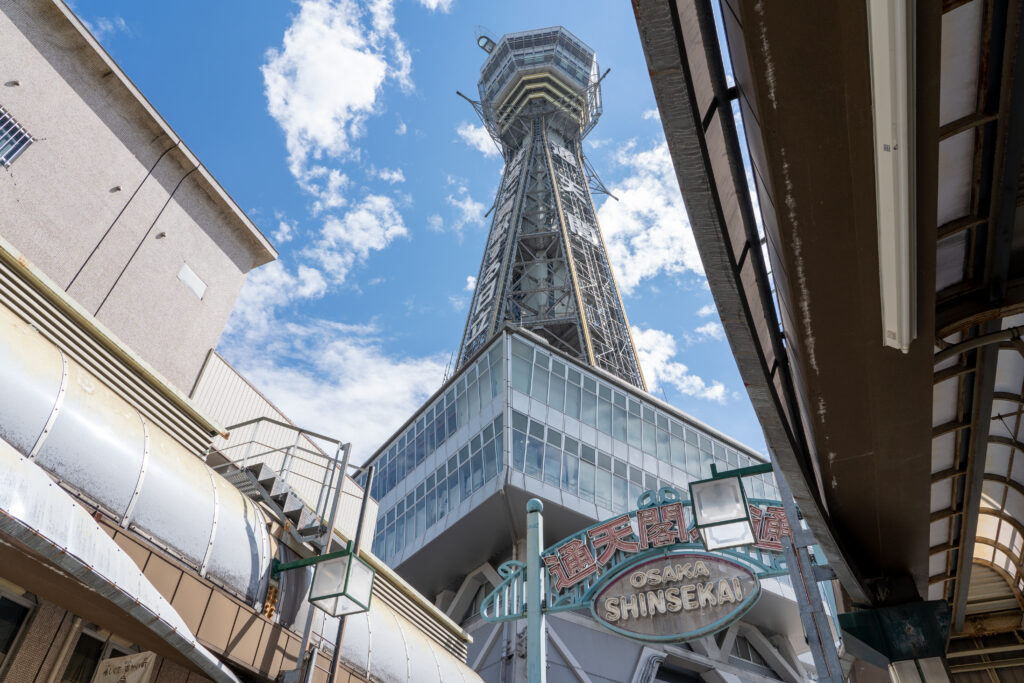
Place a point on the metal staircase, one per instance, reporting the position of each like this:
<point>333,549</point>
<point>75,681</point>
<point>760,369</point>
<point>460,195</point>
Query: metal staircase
<point>254,477</point>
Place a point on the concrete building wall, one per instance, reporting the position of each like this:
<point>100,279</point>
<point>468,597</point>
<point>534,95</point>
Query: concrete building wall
<point>109,203</point>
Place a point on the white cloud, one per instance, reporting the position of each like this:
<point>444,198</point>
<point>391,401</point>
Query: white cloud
<point>470,283</point>
<point>478,138</point>
<point>402,129</point>
<point>443,6</point>
<point>647,230</point>
<point>102,27</point>
<point>328,185</point>
<point>656,350</point>
<point>369,226</point>
<point>285,231</point>
<point>457,302</point>
<point>320,113</point>
<point>706,310</point>
<point>266,289</point>
<point>337,379</point>
<point>652,115</point>
<point>435,223</point>
<point>468,211</point>
<point>389,175</point>
<point>711,330</point>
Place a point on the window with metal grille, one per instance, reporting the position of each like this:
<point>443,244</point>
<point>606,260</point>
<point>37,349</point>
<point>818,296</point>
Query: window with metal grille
<point>13,138</point>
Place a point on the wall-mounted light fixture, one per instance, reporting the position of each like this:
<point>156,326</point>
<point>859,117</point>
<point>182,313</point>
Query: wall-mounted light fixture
<point>891,50</point>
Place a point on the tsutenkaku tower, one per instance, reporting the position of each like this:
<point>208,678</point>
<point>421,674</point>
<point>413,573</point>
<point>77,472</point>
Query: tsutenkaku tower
<point>546,267</point>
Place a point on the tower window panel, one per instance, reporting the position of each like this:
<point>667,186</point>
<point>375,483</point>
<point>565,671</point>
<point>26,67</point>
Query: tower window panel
<point>534,457</point>
<point>620,494</point>
<point>477,471</point>
<point>649,438</point>
<point>633,423</point>
<point>603,488</point>
<point>552,465</point>
<point>619,424</point>
<point>588,454</point>
<point>588,409</point>
<point>570,473</point>
<point>518,451</point>
<point>490,463</point>
<point>572,401</point>
<point>586,481</point>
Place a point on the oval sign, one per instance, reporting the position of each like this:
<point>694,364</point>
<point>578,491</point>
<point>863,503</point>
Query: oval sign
<point>675,597</point>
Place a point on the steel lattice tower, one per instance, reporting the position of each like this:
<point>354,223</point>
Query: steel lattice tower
<point>546,266</point>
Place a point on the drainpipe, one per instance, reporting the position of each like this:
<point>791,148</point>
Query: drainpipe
<point>76,630</point>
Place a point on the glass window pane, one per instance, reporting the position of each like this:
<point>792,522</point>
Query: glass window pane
<point>540,384</point>
<point>620,494</point>
<point>12,615</point>
<point>570,473</point>
<point>588,453</point>
<point>421,518</point>
<point>556,393</point>
<point>604,416</point>
<point>490,461</point>
<point>83,660</point>
<point>649,438</point>
<point>519,421</point>
<point>465,481</point>
<point>603,488</point>
<point>572,401</point>
<point>634,494</point>
<point>664,452</point>
<point>633,423</point>
<point>454,493</point>
<point>619,424</point>
<point>586,481</point>
<point>604,461</point>
<point>442,500</point>
<point>521,349</point>
<point>552,465</point>
<point>534,457</point>
<point>477,470</point>
<point>518,450</point>
<point>431,509</point>
<point>588,409</point>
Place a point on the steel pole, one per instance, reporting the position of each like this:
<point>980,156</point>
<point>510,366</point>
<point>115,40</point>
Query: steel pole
<point>325,542</point>
<point>355,551</point>
<point>808,597</point>
<point>536,637</point>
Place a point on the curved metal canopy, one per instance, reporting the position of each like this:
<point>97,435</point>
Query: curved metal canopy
<point>39,515</point>
<point>82,432</point>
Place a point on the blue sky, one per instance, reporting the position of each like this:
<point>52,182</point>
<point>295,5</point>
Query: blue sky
<point>336,127</point>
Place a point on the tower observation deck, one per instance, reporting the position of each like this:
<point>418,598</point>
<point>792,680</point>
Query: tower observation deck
<point>546,267</point>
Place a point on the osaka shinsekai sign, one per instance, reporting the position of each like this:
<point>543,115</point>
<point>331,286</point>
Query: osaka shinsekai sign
<point>643,574</point>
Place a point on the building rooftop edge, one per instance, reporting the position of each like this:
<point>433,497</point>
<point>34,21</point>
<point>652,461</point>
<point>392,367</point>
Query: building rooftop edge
<point>102,335</point>
<point>266,250</point>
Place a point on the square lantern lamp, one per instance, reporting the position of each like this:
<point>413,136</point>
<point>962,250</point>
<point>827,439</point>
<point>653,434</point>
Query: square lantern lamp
<point>720,513</point>
<point>342,584</point>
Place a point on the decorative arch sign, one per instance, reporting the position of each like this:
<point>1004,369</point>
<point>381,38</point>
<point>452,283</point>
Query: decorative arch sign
<point>675,596</point>
<point>643,574</point>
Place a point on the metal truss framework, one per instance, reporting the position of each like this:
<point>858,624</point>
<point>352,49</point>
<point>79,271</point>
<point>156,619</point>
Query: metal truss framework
<point>546,267</point>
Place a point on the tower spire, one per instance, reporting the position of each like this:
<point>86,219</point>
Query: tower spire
<point>545,266</point>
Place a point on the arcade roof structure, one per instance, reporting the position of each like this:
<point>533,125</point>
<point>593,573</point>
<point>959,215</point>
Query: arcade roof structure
<point>907,465</point>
